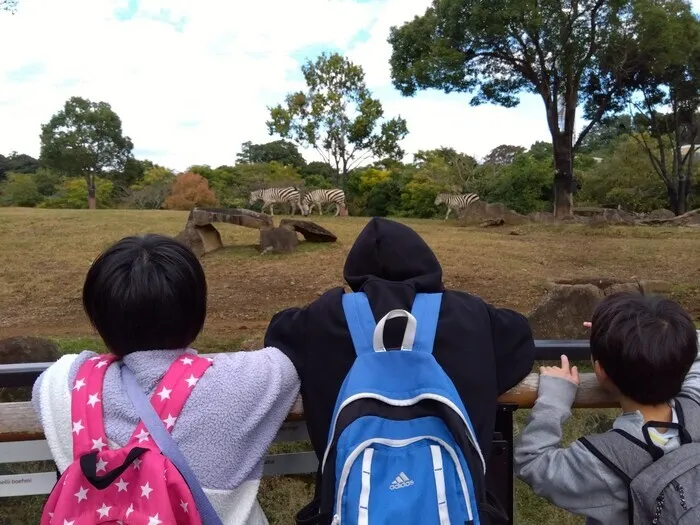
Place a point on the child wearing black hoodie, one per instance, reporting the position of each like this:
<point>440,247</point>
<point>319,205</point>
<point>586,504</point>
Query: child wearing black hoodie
<point>485,351</point>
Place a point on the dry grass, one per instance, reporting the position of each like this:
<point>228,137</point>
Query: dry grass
<point>44,255</point>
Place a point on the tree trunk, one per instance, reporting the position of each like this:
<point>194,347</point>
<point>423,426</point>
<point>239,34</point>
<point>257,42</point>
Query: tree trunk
<point>563,176</point>
<point>673,200</point>
<point>91,191</point>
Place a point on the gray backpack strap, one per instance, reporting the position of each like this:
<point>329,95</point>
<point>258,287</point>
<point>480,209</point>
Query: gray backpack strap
<point>622,453</point>
<point>688,411</point>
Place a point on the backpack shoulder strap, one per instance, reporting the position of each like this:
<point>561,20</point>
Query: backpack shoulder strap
<point>621,452</point>
<point>172,392</point>
<point>688,411</point>
<point>87,417</point>
<point>361,323</point>
<point>426,310</point>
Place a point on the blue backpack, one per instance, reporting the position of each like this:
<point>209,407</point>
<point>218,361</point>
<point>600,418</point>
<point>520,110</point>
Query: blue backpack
<point>401,448</point>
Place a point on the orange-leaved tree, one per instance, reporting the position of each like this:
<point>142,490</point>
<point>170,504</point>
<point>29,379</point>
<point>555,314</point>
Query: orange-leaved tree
<point>189,191</point>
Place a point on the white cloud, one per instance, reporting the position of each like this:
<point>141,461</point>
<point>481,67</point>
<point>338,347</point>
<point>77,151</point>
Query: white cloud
<point>192,80</point>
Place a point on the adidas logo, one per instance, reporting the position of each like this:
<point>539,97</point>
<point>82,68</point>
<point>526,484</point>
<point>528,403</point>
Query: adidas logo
<point>401,481</point>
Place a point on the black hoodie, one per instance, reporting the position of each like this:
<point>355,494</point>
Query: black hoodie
<point>484,350</point>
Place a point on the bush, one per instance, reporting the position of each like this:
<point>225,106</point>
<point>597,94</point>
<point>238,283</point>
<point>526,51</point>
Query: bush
<point>190,191</point>
<point>20,190</point>
<point>72,194</point>
<point>418,197</point>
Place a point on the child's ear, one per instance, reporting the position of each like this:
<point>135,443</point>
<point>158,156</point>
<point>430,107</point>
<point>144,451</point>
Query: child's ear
<point>599,372</point>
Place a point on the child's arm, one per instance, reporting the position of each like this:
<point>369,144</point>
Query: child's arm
<point>691,384</point>
<point>571,478</point>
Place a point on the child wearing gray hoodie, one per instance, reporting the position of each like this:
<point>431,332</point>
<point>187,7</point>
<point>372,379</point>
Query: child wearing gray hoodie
<point>644,350</point>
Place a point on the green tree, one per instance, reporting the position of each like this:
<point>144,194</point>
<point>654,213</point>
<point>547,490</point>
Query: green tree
<point>624,178</point>
<point>20,189</point>
<point>338,117</point>
<point>503,154</point>
<point>664,93</point>
<point>524,185</point>
<point>71,194</point>
<point>499,49</point>
<point>602,138</point>
<point>85,139</point>
<point>17,163</point>
<point>8,5</point>
<point>281,151</point>
<point>449,169</point>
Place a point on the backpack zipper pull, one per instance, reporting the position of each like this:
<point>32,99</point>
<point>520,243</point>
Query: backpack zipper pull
<point>681,493</point>
<point>659,507</point>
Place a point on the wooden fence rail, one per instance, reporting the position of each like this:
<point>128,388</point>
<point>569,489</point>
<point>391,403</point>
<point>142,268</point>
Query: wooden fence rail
<point>22,439</point>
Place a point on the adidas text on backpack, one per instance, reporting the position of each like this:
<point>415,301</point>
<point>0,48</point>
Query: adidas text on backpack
<point>664,488</point>
<point>132,485</point>
<point>401,448</point>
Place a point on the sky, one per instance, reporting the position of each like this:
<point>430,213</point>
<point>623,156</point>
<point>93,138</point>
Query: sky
<point>191,81</point>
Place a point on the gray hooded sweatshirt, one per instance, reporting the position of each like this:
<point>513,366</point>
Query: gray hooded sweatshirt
<point>572,477</point>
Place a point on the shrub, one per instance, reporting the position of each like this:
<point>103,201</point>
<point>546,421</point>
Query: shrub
<point>20,190</point>
<point>189,191</point>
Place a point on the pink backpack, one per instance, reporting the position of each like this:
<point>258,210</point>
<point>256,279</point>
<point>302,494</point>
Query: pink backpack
<point>137,484</point>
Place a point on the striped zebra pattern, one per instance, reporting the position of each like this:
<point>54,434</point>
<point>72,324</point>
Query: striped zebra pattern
<point>272,196</point>
<point>455,202</point>
<point>319,197</point>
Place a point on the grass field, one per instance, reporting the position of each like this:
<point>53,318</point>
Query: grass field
<point>44,255</point>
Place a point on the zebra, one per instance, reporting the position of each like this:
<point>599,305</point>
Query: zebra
<point>456,202</point>
<point>319,197</point>
<point>272,196</point>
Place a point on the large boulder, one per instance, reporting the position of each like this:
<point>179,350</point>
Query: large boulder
<point>562,312</point>
<point>660,213</point>
<point>200,239</point>
<point>571,302</point>
<point>24,349</point>
<point>311,231</point>
<point>278,240</point>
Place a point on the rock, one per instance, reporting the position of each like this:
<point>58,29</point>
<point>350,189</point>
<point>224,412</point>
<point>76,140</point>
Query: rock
<point>22,349</point>
<point>690,218</point>
<point>660,213</point>
<point>652,286</point>
<point>277,240</point>
<point>619,217</point>
<point>492,222</point>
<point>562,312</point>
<point>237,216</point>
<point>200,239</point>
<point>570,302</point>
<point>542,216</point>
<point>311,231</point>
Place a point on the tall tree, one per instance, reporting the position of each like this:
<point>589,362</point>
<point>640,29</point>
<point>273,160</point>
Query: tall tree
<point>498,49</point>
<point>664,93</point>
<point>85,139</point>
<point>450,169</point>
<point>338,117</point>
<point>503,154</point>
<point>8,5</point>
<point>281,151</point>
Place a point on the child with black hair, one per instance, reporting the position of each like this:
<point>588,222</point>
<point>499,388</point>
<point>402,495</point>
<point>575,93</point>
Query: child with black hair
<point>147,297</point>
<point>644,350</point>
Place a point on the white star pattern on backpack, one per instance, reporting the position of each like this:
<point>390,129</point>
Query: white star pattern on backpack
<point>101,485</point>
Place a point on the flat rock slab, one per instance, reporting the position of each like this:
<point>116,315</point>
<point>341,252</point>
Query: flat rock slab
<point>278,240</point>
<point>311,231</point>
<point>237,216</point>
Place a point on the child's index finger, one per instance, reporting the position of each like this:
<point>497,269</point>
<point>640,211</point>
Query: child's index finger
<point>564,363</point>
<point>587,324</point>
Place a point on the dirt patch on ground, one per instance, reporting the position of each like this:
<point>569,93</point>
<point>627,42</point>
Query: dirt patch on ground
<point>44,255</point>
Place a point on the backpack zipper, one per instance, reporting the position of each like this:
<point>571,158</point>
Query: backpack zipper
<point>660,499</point>
<point>681,493</point>
<point>405,402</point>
<point>397,443</point>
